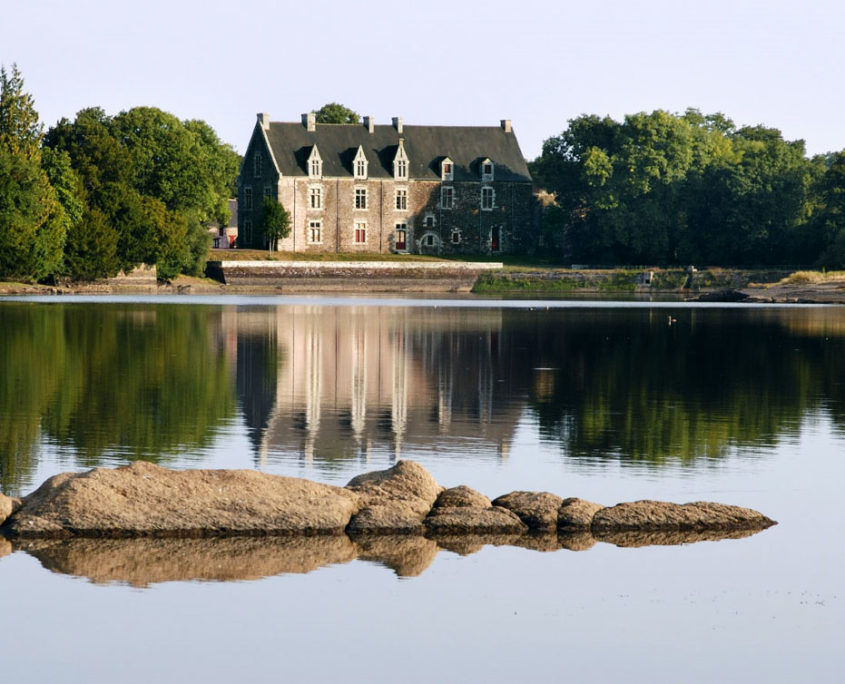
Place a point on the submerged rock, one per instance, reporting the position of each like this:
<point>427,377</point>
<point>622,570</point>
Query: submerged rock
<point>143,499</point>
<point>660,515</point>
<point>8,506</point>
<point>538,510</point>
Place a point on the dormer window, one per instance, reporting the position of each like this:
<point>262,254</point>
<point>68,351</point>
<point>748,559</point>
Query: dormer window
<point>400,162</point>
<point>447,170</point>
<point>315,163</point>
<point>359,164</point>
<point>486,171</point>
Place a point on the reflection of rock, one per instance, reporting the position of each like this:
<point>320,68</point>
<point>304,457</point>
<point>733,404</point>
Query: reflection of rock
<point>466,520</point>
<point>539,541</point>
<point>576,541</point>
<point>140,562</point>
<point>659,515</point>
<point>8,506</point>
<point>146,500</point>
<point>577,514</point>
<point>538,510</point>
<point>635,538</point>
<point>407,556</point>
<point>466,544</point>
<point>393,500</point>
<point>461,496</point>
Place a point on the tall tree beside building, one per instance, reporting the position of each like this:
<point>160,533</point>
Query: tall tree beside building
<point>32,221</point>
<point>274,223</point>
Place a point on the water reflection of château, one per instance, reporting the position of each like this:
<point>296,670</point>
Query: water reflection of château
<point>343,382</point>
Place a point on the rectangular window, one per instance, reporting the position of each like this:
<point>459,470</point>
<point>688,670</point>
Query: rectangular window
<point>360,169</point>
<point>315,168</point>
<point>315,232</point>
<point>360,232</point>
<point>401,236</point>
<point>486,198</point>
<point>447,197</point>
<point>488,170</point>
<point>360,198</point>
<point>247,231</point>
<point>268,192</point>
<point>257,163</point>
<point>402,200</point>
<point>247,198</point>
<point>315,198</point>
<point>401,168</point>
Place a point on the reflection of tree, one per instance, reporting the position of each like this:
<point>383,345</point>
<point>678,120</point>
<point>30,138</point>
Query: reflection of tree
<point>139,381</point>
<point>630,385</point>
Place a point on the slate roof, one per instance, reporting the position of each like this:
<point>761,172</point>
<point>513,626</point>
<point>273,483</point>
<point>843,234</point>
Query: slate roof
<point>426,147</point>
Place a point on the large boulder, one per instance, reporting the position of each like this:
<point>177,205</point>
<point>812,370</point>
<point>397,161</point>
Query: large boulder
<point>143,499</point>
<point>647,516</point>
<point>538,510</point>
<point>144,561</point>
<point>8,507</point>
<point>393,501</point>
<point>576,514</point>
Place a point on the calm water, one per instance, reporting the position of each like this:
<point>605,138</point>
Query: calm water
<point>611,402</point>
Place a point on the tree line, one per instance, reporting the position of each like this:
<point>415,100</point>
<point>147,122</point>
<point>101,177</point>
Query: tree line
<point>100,194</point>
<point>662,188</point>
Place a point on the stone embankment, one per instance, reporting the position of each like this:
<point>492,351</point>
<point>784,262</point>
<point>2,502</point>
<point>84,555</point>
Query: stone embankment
<point>350,276</point>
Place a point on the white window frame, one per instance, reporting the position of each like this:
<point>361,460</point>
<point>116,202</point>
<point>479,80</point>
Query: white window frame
<point>360,165</point>
<point>360,199</point>
<point>488,198</point>
<point>401,202</point>
<point>315,163</point>
<point>444,174</point>
<point>487,175</point>
<point>362,227</point>
<point>315,197</point>
<point>400,163</point>
<point>455,236</point>
<point>429,221</point>
<point>447,191</point>
<point>315,227</point>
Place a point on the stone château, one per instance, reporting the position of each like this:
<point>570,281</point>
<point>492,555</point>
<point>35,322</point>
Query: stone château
<point>388,188</point>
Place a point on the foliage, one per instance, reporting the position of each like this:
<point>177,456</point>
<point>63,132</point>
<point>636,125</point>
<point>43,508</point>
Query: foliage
<point>334,113</point>
<point>20,131</point>
<point>665,188</point>
<point>274,223</point>
<point>91,248</point>
<point>158,182</point>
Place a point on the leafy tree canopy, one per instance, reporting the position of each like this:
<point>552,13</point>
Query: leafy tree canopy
<point>20,130</point>
<point>334,113</point>
<point>275,222</point>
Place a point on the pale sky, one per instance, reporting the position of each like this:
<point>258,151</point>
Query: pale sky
<point>536,62</point>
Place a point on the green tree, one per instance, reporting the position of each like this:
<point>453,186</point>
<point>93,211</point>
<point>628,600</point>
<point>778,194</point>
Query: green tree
<point>91,248</point>
<point>274,222</point>
<point>334,113</point>
<point>20,130</point>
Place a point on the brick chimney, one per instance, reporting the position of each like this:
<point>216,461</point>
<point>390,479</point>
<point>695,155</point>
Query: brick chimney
<point>309,120</point>
<point>506,126</point>
<point>370,123</point>
<point>397,124</point>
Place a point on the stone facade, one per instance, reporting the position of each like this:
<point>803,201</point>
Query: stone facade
<point>473,199</point>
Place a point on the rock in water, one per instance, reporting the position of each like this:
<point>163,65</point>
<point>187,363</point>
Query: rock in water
<point>393,500</point>
<point>538,510</point>
<point>576,514</point>
<point>8,506</point>
<point>659,515</point>
<point>143,499</point>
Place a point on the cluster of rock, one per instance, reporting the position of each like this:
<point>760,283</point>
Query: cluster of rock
<point>145,500</point>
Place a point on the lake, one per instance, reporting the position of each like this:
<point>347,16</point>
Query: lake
<point>608,401</point>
